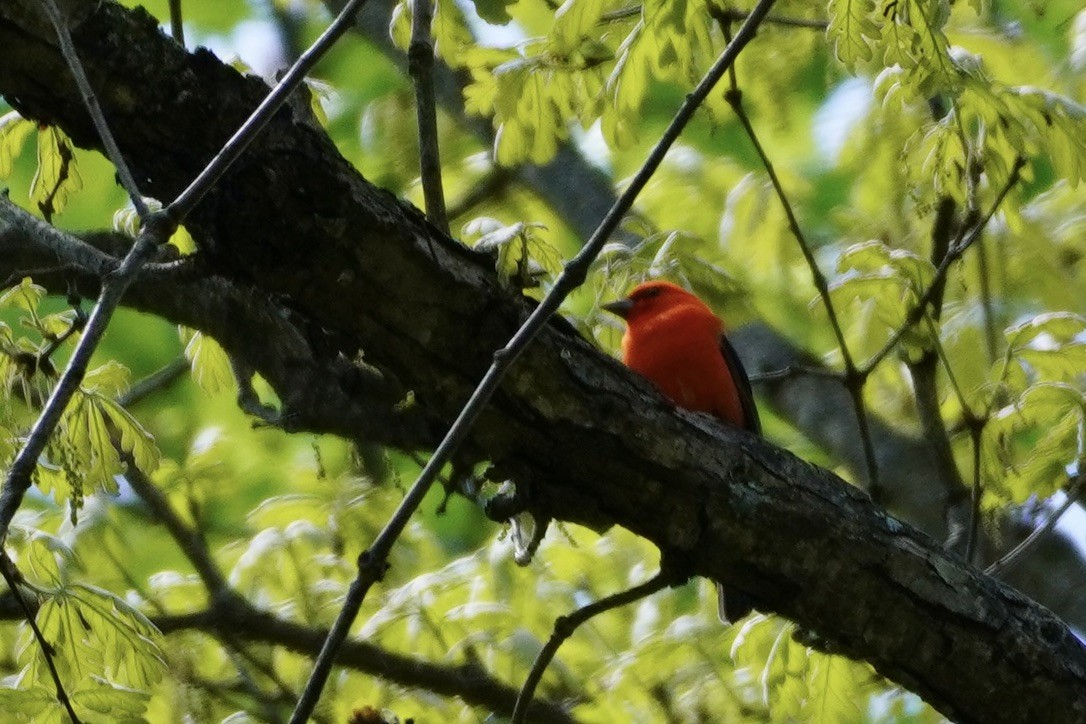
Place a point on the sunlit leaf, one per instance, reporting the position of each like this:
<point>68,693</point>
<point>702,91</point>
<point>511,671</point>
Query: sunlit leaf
<point>58,176</point>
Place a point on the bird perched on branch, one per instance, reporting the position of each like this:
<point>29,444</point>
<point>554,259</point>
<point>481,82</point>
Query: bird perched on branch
<point>674,340</point>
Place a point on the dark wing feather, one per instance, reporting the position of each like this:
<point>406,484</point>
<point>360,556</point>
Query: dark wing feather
<point>734,605</point>
<point>742,384</point>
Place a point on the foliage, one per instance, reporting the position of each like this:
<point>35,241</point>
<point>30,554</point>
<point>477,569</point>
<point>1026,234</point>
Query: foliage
<point>872,123</point>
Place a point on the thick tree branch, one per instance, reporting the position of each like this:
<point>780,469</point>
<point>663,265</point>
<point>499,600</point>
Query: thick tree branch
<point>732,507</point>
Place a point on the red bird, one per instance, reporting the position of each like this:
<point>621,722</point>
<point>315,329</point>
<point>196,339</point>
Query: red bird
<point>675,341</point>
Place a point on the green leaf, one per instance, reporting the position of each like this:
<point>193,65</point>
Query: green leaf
<point>495,12</point>
<point>32,703</point>
<point>14,130</point>
<point>118,703</point>
<point>521,256</point>
<point>211,368</point>
<point>26,295</point>
<point>837,689</point>
<point>1035,441</point>
<point>91,430</point>
<point>57,177</point>
<point>852,31</point>
<point>573,22</point>
<point>97,634</point>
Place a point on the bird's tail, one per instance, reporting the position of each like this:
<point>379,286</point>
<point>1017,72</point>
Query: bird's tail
<point>733,605</point>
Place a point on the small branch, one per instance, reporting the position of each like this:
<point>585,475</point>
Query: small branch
<point>854,379</point>
<point>177,29</point>
<point>156,229</point>
<point>183,204</point>
<point>66,247</point>
<point>1016,553</point>
<point>421,68</point>
<point>248,399</point>
<point>113,151</point>
<point>469,682</point>
<point>729,14</point>
<point>564,627</point>
<point>55,343</point>
<point>791,371</point>
<point>190,540</point>
<point>153,382</point>
<point>991,334</point>
<point>487,188</point>
<point>976,428</point>
<point>953,254</point>
<point>13,577</point>
<point>372,563</point>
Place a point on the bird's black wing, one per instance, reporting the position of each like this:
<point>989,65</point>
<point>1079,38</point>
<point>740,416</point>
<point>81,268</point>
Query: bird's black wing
<point>734,605</point>
<point>742,384</point>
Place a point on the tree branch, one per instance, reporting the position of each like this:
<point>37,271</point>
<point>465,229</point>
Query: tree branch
<point>736,509</point>
<point>564,627</point>
<point>12,577</point>
<point>373,562</point>
<point>421,54</point>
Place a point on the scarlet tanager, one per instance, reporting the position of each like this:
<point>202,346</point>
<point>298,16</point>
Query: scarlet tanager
<point>674,340</point>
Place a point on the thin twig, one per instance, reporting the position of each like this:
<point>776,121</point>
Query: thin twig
<point>190,540</point>
<point>56,342</point>
<point>953,254</point>
<point>160,378</point>
<point>420,66</point>
<point>564,627</point>
<point>487,188</point>
<point>854,380</point>
<point>155,230</point>
<point>12,576</point>
<point>975,425</point>
<point>65,246</point>
<point>113,151</point>
<point>732,15</point>
<point>372,563</point>
<point>183,204</point>
<point>177,27</point>
<point>991,335</point>
<point>1015,554</point>
<point>796,371</point>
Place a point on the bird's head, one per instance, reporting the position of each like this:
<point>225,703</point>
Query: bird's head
<point>650,299</point>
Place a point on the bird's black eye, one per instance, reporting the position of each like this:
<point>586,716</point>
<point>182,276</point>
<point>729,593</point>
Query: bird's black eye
<point>648,293</point>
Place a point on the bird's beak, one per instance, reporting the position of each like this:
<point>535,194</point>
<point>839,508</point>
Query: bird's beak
<point>620,307</point>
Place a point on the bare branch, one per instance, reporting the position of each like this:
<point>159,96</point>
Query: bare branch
<point>90,100</point>
<point>12,575</point>
<point>180,208</point>
<point>564,627</point>
<point>854,380</point>
<point>177,28</point>
<point>155,381</point>
<point>372,563</point>
<point>155,230</point>
<point>190,540</point>
<point>730,14</point>
<point>1073,489</point>
<point>421,66</point>
<point>953,254</point>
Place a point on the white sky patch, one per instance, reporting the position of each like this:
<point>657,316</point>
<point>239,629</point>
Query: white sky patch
<point>256,42</point>
<point>846,106</point>
<point>592,145</point>
<point>509,35</point>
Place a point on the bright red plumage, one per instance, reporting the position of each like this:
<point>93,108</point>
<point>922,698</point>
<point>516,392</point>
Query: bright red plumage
<point>674,339</point>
